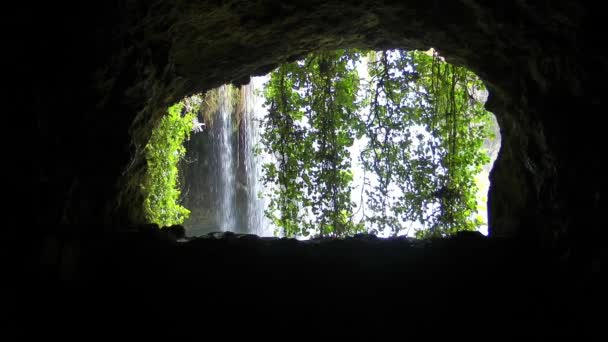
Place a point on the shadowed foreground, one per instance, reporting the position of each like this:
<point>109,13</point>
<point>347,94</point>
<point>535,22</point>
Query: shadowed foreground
<point>440,287</point>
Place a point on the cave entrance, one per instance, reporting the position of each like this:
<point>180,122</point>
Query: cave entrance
<point>341,142</point>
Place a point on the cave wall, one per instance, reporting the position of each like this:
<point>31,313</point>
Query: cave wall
<point>95,77</point>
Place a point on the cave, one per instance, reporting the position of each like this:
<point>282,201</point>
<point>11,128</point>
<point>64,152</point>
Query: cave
<point>92,79</point>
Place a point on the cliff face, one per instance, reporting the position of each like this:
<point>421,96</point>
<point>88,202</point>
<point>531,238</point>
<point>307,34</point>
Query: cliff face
<point>94,78</point>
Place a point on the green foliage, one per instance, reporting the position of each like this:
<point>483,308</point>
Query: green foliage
<point>308,128</point>
<point>417,95</point>
<point>208,104</point>
<point>424,132</point>
<point>163,152</point>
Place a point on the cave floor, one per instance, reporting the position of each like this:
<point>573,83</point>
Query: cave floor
<point>465,282</point>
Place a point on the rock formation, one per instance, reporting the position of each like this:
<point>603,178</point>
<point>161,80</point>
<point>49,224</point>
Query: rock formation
<point>92,79</point>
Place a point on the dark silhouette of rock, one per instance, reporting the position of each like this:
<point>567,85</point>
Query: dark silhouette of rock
<point>91,80</point>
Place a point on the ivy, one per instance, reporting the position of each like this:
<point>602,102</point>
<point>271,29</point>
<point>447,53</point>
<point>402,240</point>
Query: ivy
<point>311,105</point>
<point>163,152</point>
<point>431,130</point>
<point>423,130</point>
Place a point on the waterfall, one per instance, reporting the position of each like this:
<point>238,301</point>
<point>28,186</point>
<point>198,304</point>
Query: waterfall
<point>221,172</point>
<point>257,223</point>
<point>226,212</point>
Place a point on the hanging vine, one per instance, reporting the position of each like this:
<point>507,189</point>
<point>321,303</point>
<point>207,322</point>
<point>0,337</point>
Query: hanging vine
<point>423,137</point>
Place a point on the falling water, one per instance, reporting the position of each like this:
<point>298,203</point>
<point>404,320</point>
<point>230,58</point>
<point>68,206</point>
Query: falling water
<point>257,223</point>
<point>222,173</point>
<point>226,212</point>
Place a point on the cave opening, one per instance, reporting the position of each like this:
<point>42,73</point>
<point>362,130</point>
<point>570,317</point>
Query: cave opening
<point>92,88</point>
<point>400,148</point>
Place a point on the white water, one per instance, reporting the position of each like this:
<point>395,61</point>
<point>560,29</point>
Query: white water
<point>226,219</point>
<point>257,222</point>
